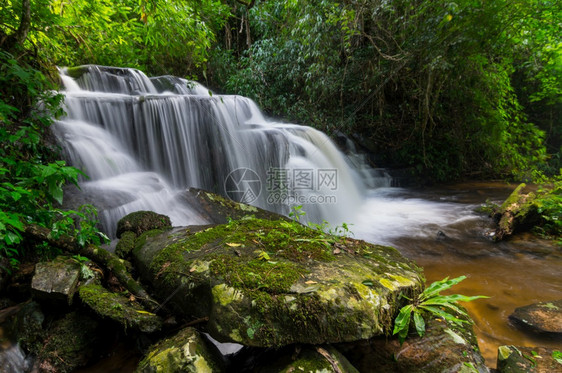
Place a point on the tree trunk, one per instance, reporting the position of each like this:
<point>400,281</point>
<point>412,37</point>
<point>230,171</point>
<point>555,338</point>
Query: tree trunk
<point>19,36</point>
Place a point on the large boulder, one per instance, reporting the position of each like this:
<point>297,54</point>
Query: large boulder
<point>542,317</point>
<point>272,283</point>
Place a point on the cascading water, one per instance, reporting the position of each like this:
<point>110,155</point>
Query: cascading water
<point>142,141</point>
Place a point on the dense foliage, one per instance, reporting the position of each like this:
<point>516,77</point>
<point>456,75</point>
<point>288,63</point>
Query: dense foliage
<point>160,37</point>
<point>549,206</point>
<point>436,85</point>
<point>31,177</point>
<point>450,89</point>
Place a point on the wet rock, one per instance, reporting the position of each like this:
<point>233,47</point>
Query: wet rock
<point>324,359</point>
<point>142,221</point>
<point>543,317</point>
<point>119,308</point>
<point>26,326</point>
<point>56,280</point>
<point>513,359</point>
<point>70,343</point>
<point>19,287</point>
<point>184,352</point>
<point>217,209</point>
<point>517,213</point>
<point>446,347</point>
<point>272,283</point>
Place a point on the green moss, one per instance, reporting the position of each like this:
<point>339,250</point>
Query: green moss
<point>141,221</point>
<point>118,308</point>
<point>141,240</point>
<point>248,254</point>
<point>70,342</point>
<point>256,274</point>
<point>125,245</point>
<point>230,204</point>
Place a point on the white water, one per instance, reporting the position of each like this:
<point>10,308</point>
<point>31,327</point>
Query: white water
<point>142,141</point>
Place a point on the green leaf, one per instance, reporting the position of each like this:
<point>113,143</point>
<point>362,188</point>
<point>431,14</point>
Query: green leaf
<point>402,322</point>
<point>419,323</point>
<point>439,312</point>
<point>250,331</point>
<point>438,286</point>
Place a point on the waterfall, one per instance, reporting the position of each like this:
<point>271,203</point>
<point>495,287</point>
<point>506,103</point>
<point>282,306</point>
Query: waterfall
<point>141,141</point>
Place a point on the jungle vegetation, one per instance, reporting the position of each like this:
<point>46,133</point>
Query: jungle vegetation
<point>449,90</point>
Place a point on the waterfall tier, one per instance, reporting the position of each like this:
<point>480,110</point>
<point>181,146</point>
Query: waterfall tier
<point>143,140</point>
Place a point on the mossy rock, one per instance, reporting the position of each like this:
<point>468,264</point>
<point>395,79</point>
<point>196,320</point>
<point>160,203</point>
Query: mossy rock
<point>184,352</point>
<point>445,348</point>
<point>273,283</point>
<point>70,343</point>
<point>513,359</point>
<point>142,221</point>
<point>125,245</point>
<point>56,280</point>
<point>119,308</point>
<point>217,209</point>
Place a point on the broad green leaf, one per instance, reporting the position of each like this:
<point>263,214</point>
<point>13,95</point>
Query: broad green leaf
<point>419,323</point>
<point>402,321</point>
<point>438,286</point>
<point>439,312</point>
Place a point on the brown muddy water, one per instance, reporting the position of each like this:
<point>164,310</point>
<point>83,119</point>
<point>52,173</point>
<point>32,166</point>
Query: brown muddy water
<point>513,273</point>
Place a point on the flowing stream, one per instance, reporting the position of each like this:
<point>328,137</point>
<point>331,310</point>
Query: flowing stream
<point>142,141</point>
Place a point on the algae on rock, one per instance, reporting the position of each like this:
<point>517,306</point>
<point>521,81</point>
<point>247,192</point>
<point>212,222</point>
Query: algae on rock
<point>272,283</point>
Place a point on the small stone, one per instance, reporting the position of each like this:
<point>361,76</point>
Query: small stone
<point>305,359</point>
<point>142,221</point>
<point>56,280</point>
